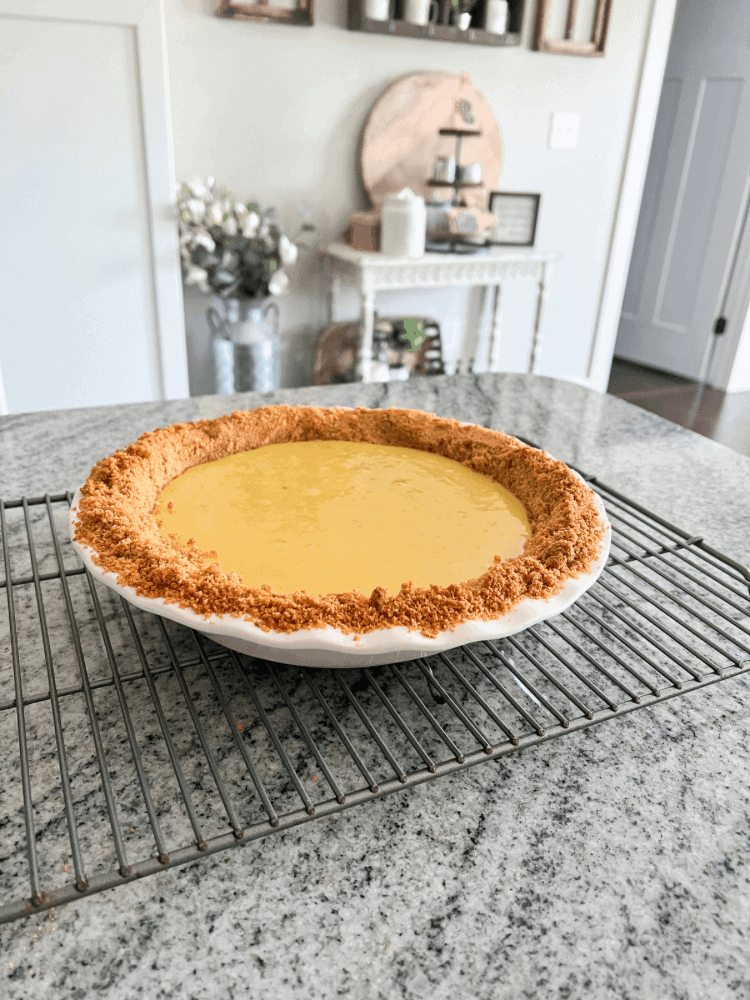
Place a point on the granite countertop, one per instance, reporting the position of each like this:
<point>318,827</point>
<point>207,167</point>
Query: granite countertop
<point>611,864</point>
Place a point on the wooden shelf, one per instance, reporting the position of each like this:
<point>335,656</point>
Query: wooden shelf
<point>443,31</point>
<point>459,131</point>
<point>455,184</point>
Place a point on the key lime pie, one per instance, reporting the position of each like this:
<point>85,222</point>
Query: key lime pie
<point>299,518</point>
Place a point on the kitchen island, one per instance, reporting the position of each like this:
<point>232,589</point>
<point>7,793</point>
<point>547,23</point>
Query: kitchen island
<point>613,863</point>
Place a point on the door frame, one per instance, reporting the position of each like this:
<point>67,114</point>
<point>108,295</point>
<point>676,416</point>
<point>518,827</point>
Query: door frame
<point>653,65</point>
<point>146,20</point>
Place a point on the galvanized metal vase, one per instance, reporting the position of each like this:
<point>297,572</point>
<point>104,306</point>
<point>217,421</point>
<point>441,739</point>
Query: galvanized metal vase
<point>245,345</point>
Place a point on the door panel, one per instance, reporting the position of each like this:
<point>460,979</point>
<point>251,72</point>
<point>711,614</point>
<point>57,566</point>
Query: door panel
<point>693,194</point>
<point>704,168</point>
<point>92,310</point>
<point>72,197</point>
<point>666,119</point>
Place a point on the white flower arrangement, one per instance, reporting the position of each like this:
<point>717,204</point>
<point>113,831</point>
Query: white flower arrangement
<point>229,248</point>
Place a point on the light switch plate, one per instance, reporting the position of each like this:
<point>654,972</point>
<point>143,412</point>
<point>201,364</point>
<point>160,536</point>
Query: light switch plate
<point>563,132</point>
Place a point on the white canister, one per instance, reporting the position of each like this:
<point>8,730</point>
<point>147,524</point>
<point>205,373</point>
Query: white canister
<point>421,11</point>
<point>378,10</point>
<point>445,169</point>
<point>496,17</point>
<point>402,232</point>
<point>470,173</point>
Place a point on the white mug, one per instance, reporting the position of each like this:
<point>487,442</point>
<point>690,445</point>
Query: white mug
<point>445,169</point>
<point>462,21</point>
<point>420,11</point>
<point>470,173</point>
<point>378,10</point>
<point>496,17</point>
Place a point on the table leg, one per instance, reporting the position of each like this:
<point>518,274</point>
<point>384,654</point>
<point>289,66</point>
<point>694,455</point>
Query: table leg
<point>334,290</point>
<point>366,323</point>
<point>475,339</point>
<point>496,329</point>
<point>536,341</point>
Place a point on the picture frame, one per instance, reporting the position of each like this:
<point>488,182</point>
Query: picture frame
<point>303,13</point>
<point>568,45</point>
<point>517,214</point>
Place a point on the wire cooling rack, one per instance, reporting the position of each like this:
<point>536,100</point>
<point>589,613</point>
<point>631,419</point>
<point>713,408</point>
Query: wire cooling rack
<point>130,744</point>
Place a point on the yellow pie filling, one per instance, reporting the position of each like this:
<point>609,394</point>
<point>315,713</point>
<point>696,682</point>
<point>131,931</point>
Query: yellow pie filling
<point>330,517</point>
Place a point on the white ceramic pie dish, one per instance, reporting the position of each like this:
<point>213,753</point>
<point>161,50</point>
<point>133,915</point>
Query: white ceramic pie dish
<point>330,647</point>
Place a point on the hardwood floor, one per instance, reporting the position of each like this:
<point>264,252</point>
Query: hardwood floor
<point>717,415</point>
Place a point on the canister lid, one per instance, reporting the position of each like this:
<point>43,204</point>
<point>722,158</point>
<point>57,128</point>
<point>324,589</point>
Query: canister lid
<point>405,198</point>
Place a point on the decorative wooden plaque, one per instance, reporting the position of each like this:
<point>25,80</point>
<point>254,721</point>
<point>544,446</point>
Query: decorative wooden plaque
<point>568,45</point>
<point>302,13</point>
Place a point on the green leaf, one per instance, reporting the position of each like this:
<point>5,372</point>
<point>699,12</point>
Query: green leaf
<point>414,332</point>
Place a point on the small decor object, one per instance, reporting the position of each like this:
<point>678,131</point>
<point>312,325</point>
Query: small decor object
<point>462,222</point>
<point>568,44</point>
<point>421,11</point>
<point>401,348</point>
<point>470,222</point>
<point>300,12</point>
<point>516,217</point>
<point>496,16</point>
<point>414,332</point>
<point>364,229</point>
<point>464,108</point>
<point>466,176</point>
<point>437,218</point>
<point>403,226</point>
<point>228,247</point>
<point>378,10</point>
<point>461,13</point>
<point>237,251</point>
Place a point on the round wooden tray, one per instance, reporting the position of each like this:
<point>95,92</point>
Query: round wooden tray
<point>402,137</point>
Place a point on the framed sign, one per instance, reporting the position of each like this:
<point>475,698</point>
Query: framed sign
<point>516,216</point>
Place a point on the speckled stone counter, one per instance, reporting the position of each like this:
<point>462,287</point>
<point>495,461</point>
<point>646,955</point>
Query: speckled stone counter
<point>611,864</point>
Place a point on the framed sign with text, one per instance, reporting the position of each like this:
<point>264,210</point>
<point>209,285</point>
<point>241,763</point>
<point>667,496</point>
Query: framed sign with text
<point>516,216</point>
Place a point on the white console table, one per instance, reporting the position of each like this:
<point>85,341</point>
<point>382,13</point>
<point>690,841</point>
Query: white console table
<point>375,272</point>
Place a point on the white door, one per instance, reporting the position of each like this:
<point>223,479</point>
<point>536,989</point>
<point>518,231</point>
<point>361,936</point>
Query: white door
<point>695,192</point>
<point>89,266</point>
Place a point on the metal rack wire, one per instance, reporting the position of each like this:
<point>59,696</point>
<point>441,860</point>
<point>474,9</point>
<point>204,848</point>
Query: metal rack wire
<point>131,745</point>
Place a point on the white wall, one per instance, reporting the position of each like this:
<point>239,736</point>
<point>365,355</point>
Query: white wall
<point>276,112</point>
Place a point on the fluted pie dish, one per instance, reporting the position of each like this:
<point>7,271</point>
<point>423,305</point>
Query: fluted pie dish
<point>372,536</point>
